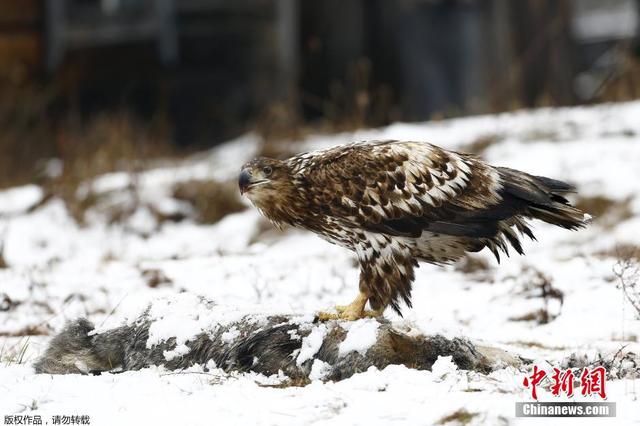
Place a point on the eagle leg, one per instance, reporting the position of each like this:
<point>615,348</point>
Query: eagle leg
<point>353,311</point>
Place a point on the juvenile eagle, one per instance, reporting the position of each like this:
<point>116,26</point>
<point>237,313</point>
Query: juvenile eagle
<point>395,202</point>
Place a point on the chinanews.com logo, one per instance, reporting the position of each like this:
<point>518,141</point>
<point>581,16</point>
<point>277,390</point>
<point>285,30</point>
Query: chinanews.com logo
<point>588,382</point>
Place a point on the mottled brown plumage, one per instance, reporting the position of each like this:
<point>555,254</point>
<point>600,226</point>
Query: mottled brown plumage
<point>394,203</point>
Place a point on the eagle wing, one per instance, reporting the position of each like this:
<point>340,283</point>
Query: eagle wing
<point>404,188</point>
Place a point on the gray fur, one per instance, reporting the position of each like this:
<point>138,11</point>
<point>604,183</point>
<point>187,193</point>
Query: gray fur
<point>265,346</point>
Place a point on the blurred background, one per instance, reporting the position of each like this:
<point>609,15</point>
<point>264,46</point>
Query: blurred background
<point>94,83</point>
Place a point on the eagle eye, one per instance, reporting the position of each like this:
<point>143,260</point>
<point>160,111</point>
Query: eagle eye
<point>267,170</point>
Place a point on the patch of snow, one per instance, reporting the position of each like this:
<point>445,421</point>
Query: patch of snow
<point>184,316</point>
<point>319,370</point>
<point>230,335</point>
<point>178,351</point>
<point>443,367</point>
<point>360,337</point>
<point>19,199</point>
<point>312,343</point>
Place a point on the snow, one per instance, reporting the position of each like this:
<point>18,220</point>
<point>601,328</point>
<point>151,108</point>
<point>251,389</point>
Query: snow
<point>443,367</point>
<point>319,369</point>
<point>58,270</point>
<point>361,335</point>
<point>19,199</point>
<point>231,335</point>
<point>311,344</point>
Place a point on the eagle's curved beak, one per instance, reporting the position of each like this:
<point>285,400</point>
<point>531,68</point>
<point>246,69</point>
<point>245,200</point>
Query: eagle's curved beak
<point>244,180</point>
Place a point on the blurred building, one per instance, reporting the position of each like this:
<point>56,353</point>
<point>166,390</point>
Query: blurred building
<point>216,66</point>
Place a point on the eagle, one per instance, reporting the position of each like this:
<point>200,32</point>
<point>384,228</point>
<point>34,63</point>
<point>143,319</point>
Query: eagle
<point>395,203</point>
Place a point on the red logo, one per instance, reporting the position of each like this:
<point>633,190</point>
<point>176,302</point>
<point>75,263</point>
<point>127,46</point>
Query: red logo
<point>534,380</point>
<point>592,381</point>
<point>562,382</point>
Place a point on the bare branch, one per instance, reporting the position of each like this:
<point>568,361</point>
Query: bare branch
<point>627,270</point>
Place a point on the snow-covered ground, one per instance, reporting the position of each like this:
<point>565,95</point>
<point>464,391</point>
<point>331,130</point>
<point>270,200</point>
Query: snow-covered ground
<point>57,270</point>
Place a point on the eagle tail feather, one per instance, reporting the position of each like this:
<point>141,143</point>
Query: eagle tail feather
<point>544,198</point>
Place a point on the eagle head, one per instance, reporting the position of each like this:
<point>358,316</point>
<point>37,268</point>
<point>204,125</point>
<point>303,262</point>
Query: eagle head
<point>269,185</point>
<point>262,176</point>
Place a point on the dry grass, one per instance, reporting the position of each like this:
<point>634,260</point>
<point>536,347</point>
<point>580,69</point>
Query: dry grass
<point>84,149</point>
<point>279,125</point>
<point>540,316</point>
<point>623,82</point>
<point>211,200</point>
<point>277,148</point>
<point>476,267</point>
<point>30,330</point>
<point>606,211</point>
<point>537,285</point>
<point>627,270</point>
<point>298,382</point>
<point>357,102</point>
<point>471,265</point>
<point>107,143</point>
<point>353,102</point>
<point>482,143</point>
<point>25,139</point>
<point>15,354</point>
<point>541,134</point>
<point>536,345</point>
<point>61,152</point>
<point>624,252</point>
<point>3,262</point>
<point>155,278</point>
<point>6,303</point>
<point>461,417</point>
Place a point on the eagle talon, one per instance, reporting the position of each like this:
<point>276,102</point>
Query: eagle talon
<point>341,308</point>
<point>347,315</point>
<point>327,316</point>
<point>344,316</point>
<point>351,312</point>
<point>372,314</point>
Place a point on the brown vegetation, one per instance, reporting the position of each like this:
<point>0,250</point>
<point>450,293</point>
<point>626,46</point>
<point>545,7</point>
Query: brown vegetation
<point>475,266</point>
<point>624,252</point>
<point>3,263</point>
<point>64,158</point>
<point>25,139</point>
<point>471,264</point>
<point>298,382</point>
<point>605,211</point>
<point>6,303</point>
<point>461,417</point>
<point>155,277</point>
<point>479,145</point>
<point>107,143</point>
<point>537,285</point>
<point>62,153</point>
<point>29,330</point>
<point>211,200</point>
<point>627,270</point>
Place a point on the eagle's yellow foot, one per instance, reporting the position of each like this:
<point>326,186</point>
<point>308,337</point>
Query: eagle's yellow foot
<point>327,316</point>
<point>364,314</point>
<point>351,312</point>
<point>347,315</point>
<point>342,308</point>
